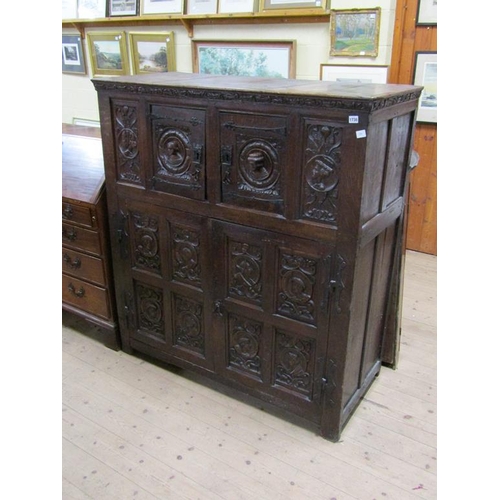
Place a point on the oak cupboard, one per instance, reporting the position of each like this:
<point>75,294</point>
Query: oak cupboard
<point>256,227</point>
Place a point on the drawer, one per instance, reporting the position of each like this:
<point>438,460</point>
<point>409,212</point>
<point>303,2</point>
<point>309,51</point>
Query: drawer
<point>85,296</point>
<point>83,266</point>
<point>78,214</point>
<point>80,238</point>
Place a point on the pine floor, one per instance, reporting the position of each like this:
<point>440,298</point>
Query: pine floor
<point>135,430</point>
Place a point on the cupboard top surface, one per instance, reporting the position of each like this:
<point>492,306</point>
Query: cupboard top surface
<point>82,168</point>
<point>373,95</point>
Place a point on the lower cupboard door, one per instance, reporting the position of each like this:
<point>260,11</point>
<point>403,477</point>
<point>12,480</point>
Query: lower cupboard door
<point>271,314</point>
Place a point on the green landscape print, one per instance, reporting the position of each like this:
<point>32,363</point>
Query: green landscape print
<point>262,62</point>
<point>107,54</point>
<point>355,33</point>
<point>152,56</point>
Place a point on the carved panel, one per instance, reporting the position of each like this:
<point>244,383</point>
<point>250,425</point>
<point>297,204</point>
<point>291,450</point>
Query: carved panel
<point>297,278</point>
<point>145,241</point>
<point>178,151</point>
<point>245,271</point>
<point>150,310</point>
<point>186,255</point>
<point>188,325</point>
<point>127,143</point>
<point>321,170</point>
<point>244,343</point>
<point>251,157</point>
<point>294,363</point>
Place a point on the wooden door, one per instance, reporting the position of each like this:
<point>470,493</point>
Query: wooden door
<point>271,312</point>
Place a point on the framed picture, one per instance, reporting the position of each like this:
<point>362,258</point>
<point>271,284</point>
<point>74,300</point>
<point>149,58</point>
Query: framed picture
<point>108,53</point>
<point>123,8</point>
<point>73,60</point>
<point>202,7</point>
<point>274,59</point>
<point>353,73</point>
<point>162,7</point>
<point>292,4</point>
<point>427,12</point>
<point>425,74</point>
<point>91,9</point>
<point>152,52</point>
<point>355,32</point>
<point>234,6</point>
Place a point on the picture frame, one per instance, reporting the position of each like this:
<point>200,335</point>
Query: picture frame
<point>353,73</point>
<point>266,5</point>
<point>237,6</point>
<point>162,7</point>
<point>73,60</point>
<point>197,7</point>
<point>108,53</point>
<point>152,52</point>
<point>274,59</point>
<point>118,8</point>
<point>427,13</point>
<point>91,9</point>
<point>425,75</point>
<point>355,32</point>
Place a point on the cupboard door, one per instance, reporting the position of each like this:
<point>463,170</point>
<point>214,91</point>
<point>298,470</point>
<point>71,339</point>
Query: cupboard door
<point>271,310</point>
<point>167,297</point>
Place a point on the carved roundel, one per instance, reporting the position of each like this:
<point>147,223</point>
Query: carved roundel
<point>246,344</point>
<point>259,165</point>
<point>292,360</point>
<point>188,323</point>
<point>297,287</point>
<point>321,173</point>
<point>151,309</point>
<point>127,143</point>
<point>147,243</point>
<point>173,152</point>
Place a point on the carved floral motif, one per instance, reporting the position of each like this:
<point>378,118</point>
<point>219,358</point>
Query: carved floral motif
<point>146,242</point>
<point>188,325</point>
<point>245,278</point>
<point>126,134</point>
<point>244,344</point>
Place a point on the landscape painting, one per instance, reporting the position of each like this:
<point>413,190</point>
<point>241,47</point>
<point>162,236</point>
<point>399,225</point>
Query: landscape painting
<point>108,53</point>
<point>152,52</point>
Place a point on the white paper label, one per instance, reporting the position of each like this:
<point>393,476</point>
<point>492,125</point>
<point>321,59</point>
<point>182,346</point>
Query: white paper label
<point>360,133</point>
<point>353,119</point>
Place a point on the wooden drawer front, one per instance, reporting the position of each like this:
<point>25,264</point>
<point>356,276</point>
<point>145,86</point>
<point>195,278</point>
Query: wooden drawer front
<point>85,296</point>
<point>82,239</point>
<point>83,266</point>
<point>78,214</point>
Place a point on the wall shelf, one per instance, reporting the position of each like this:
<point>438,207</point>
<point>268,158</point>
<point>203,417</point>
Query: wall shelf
<point>189,21</point>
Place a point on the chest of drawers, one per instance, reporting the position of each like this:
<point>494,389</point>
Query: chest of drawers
<point>256,230</point>
<point>87,286</point>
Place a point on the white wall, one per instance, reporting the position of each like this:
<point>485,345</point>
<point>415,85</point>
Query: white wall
<point>79,99</point>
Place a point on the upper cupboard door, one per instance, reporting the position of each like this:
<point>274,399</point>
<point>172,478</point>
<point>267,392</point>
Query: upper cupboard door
<point>254,154</point>
<point>177,150</point>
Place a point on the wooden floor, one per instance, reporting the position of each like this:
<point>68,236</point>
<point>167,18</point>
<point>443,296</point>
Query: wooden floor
<point>135,430</point>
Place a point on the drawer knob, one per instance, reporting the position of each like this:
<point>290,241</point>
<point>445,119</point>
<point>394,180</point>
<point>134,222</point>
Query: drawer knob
<point>67,212</point>
<point>69,234</point>
<point>75,264</point>
<point>78,293</point>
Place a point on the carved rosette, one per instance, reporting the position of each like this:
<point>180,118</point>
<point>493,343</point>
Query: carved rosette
<point>188,325</point>
<point>245,271</point>
<point>244,344</point>
<point>146,242</point>
<point>186,256</point>
<point>321,173</point>
<point>127,151</point>
<point>296,287</point>
<point>294,358</point>
<point>150,310</point>
<point>258,168</point>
